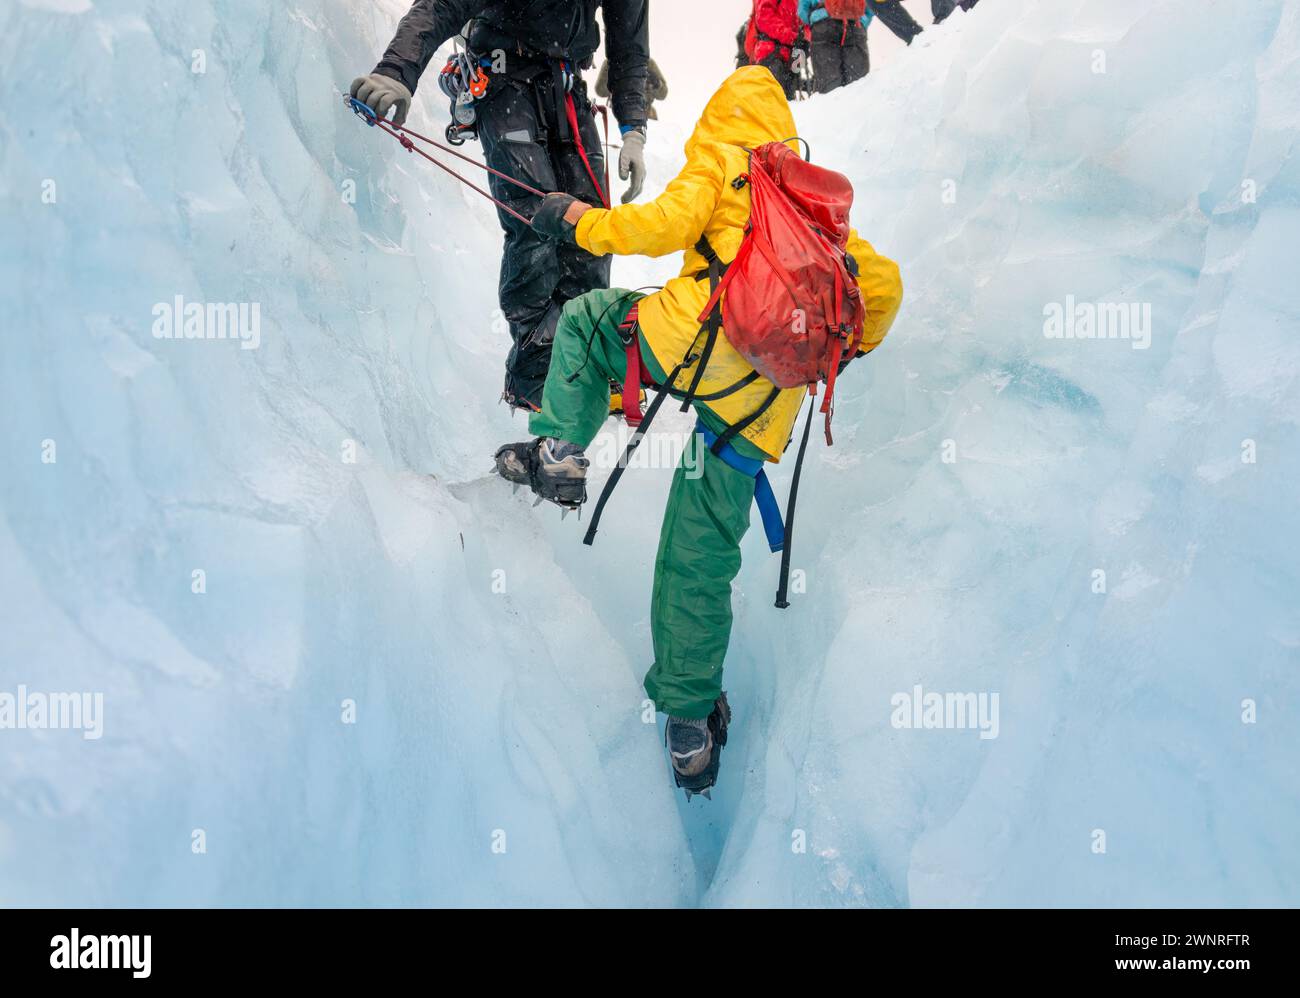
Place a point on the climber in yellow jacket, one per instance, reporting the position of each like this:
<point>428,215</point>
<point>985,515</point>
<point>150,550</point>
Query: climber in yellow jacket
<point>709,505</point>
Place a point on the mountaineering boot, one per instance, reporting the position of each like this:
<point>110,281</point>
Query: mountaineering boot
<point>554,469</point>
<point>695,748</point>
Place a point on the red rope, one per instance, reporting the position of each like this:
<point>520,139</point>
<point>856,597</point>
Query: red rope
<point>572,112</point>
<point>604,117</point>
<point>410,147</point>
<point>404,135</point>
<point>396,131</point>
<point>468,159</point>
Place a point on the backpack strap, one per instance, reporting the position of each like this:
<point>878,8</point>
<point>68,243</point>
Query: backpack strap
<point>731,389</point>
<point>719,445</point>
<point>712,323</point>
<point>764,498</point>
<point>721,393</point>
<point>783,586</point>
<point>730,433</point>
<point>632,444</point>
<point>837,354</point>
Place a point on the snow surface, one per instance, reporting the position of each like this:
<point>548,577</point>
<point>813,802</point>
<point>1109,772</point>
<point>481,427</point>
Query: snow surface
<point>515,718</point>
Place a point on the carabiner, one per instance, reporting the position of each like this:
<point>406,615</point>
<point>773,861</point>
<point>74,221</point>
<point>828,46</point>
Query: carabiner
<point>361,110</point>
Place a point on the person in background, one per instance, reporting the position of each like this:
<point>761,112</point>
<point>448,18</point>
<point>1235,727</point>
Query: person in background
<point>838,33</point>
<point>656,87</point>
<point>942,8</point>
<point>774,32</point>
<point>536,125</point>
<point>895,17</point>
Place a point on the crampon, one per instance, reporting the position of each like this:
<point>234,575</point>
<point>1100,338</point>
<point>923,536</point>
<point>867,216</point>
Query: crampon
<point>562,482</point>
<point>704,781</point>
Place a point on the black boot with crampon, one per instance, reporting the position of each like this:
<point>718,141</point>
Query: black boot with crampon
<point>695,748</point>
<point>555,471</point>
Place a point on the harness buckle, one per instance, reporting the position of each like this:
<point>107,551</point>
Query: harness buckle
<point>628,327</point>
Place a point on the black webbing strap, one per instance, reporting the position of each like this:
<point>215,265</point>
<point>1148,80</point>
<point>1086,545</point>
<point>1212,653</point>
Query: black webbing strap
<point>783,585</point>
<point>559,96</point>
<point>731,389</point>
<point>721,393</point>
<point>729,434</point>
<point>632,444</point>
<point>712,324</point>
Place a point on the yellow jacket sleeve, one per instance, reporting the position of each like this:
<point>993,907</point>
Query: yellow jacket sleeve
<point>673,221</point>
<point>882,291</point>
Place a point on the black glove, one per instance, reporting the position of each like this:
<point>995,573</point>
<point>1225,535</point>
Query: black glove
<point>549,219</point>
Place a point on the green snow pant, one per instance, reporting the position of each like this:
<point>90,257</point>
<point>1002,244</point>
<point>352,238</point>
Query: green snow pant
<point>707,512</point>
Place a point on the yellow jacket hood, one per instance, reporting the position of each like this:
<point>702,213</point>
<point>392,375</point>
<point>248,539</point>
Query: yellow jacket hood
<point>748,110</point>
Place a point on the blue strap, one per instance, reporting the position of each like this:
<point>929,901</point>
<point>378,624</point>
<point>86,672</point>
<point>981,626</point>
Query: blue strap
<point>770,512</point>
<point>764,498</point>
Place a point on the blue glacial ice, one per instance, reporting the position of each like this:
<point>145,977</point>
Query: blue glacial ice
<point>331,488</point>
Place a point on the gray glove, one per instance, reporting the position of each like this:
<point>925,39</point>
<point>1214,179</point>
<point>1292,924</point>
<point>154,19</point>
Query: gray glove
<point>631,163</point>
<point>381,94</point>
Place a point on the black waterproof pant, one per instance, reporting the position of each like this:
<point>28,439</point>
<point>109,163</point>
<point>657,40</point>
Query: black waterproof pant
<point>839,53</point>
<point>785,76</point>
<point>525,132</point>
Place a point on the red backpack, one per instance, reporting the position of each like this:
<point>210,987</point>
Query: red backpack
<point>846,10</point>
<point>790,299</point>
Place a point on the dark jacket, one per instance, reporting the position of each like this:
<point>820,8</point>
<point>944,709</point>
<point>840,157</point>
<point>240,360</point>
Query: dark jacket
<point>557,29</point>
<point>896,18</point>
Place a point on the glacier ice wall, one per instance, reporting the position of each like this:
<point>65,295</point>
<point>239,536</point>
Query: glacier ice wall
<point>1113,152</point>
<point>330,487</point>
<point>498,753</point>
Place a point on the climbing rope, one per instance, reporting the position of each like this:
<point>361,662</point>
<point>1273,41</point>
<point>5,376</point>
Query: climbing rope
<point>408,139</point>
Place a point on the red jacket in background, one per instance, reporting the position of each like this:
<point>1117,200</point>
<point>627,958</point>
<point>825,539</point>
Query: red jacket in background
<point>775,24</point>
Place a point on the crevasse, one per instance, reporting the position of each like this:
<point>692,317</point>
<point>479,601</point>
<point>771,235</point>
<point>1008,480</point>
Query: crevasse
<point>358,564</point>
